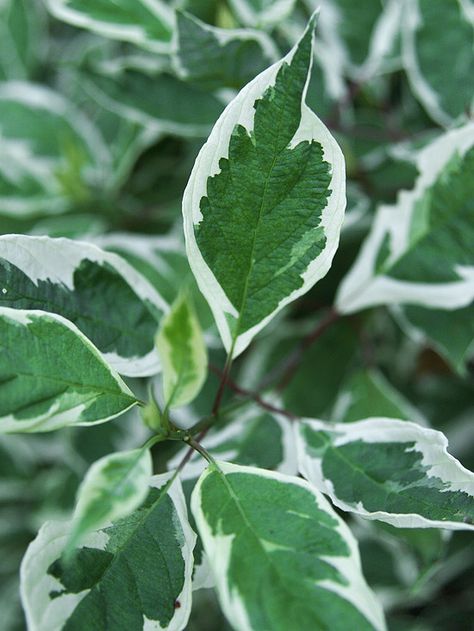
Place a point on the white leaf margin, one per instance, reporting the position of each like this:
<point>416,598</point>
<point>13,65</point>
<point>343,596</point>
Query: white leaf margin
<point>36,584</point>
<point>218,550</point>
<point>241,112</point>
<point>431,443</point>
<point>38,97</point>
<point>362,287</point>
<point>134,33</point>
<point>411,21</point>
<point>49,420</point>
<point>56,259</point>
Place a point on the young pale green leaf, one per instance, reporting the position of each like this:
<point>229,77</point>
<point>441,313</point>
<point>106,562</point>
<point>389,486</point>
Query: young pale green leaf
<point>218,57</point>
<point>161,104</point>
<point>432,31</point>
<point>51,154</point>
<point>281,557</point>
<point>104,296</point>
<point>133,575</point>
<point>182,352</point>
<point>265,201</point>
<point>52,376</point>
<point>387,469</point>
<point>146,23</point>
<point>113,488</point>
<point>421,251</point>
<point>367,393</point>
<point>261,13</point>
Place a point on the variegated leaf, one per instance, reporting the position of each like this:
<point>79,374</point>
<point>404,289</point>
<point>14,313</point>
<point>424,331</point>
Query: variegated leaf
<point>113,488</point>
<point>107,299</point>
<point>160,103</point>
<point>146,23</point>
<point>386,469</point>
<point>132,575</point>
<point>265,201</point>
<point>434,30</point>
<point>51,156</point>
<point>52,376</point>
<point>421,251</point>
<point>281,557</point>
<point>359,36</point>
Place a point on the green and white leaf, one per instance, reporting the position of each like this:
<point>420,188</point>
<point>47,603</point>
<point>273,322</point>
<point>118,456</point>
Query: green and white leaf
<point>146,23</point>
<point>261,13</point>
<point>132,575</point>
<point>161,104</point>
<point>421,250</point>
<point>108,300</point>
<point>438,55</point>
<point>368,393</point>
<point>266,197</point>
<point>113,488</point>
<point>183,354</point>
<point>218,57</point>
<point>51,156</point>
<point>281,557</point>
<point>359,37</point>
<point>387,469</point>
<point>52,376</point>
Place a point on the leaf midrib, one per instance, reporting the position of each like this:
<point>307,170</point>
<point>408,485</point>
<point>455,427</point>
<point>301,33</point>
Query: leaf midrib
<point>353,466</point>
<point>254,239</point>
<point>234,498</point>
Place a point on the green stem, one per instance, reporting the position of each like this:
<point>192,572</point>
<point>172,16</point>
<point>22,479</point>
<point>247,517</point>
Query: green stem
<point>194,444</point>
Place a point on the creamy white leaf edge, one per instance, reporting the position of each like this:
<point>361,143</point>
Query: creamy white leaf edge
<point>46,614</point>
<point>241,112</point>
<point>219,547</point>
<point>362,287</point>
<point>50,420</point>
<point>431,443</point>
<point>56,260</point>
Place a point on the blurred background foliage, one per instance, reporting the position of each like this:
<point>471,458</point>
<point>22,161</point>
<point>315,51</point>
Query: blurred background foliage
<point>97,138</point>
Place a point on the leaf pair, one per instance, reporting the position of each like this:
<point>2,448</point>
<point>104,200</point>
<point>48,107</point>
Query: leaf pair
<point>135,574</point>
<point>279,554</point>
